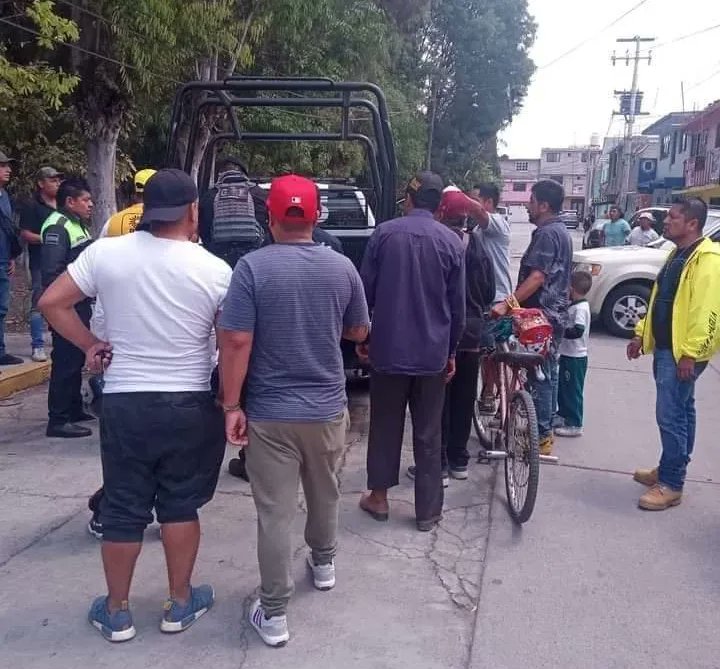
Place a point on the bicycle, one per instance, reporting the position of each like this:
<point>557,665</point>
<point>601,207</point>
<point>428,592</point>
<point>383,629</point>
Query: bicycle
<point>511,434</point>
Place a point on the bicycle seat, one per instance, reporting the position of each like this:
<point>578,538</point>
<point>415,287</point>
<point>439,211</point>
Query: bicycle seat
<point>520,359</point>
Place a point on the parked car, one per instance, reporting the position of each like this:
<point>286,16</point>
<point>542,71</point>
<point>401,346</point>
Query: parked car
<point>659,214</point>
<point>570,218</point>
<point>592,239</point>
<point>623,277</point>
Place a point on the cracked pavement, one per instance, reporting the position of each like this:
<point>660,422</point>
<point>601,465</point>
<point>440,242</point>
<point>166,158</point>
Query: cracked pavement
<point>399,591</point>
<point>590,582</point>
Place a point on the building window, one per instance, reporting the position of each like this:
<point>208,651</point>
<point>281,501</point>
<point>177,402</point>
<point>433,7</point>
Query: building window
<point>583,157</point>
<point>552,157</point>
<point>519,186</point>
<point>665,146</point>
<point>717,137</point>
<point>521,166</point>
<point>683,142</point>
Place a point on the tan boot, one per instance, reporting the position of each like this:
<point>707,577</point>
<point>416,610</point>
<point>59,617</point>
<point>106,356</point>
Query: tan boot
<point>546,445</point>
<point>648,477</point>
<point>659,498</point>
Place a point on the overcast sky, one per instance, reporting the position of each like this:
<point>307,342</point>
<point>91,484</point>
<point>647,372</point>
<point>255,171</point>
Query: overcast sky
<point>572,99</point>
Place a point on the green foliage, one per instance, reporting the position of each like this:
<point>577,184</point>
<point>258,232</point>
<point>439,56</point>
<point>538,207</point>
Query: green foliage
<point>20,81</point>
<point>465,60</point>
<point>479,70</point>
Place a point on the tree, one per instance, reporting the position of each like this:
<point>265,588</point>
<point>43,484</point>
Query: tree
<point>134,54</point>
<point>34,125</point>
<point>478,73</point>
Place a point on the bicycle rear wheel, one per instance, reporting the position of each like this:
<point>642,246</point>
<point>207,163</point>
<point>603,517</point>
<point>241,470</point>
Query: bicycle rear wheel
<point>522,466</point>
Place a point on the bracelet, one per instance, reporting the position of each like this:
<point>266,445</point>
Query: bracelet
<point>230,408</point>
<point>512,301</point>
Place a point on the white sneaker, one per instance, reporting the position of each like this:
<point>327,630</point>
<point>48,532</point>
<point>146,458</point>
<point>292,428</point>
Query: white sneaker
<point>39,355</point>
<point>323,574</point>
<point>567,431</point>
<point>273,631</point>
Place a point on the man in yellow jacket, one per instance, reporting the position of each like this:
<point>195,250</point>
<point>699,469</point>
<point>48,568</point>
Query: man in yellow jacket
<point>126,220</point>
<point>682,330</point>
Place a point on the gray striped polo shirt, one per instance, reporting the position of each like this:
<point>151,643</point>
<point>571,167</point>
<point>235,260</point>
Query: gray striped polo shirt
<point>295,299</point>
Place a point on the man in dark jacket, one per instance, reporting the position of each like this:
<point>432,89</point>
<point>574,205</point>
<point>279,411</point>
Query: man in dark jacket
<point>230,252</point>
<point>461,392</point>
<point>7,254</point>
<point>32,216</point>
<point>64,236</point>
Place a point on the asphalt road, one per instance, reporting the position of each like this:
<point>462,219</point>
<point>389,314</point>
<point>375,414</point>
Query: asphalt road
<point>590,582</point>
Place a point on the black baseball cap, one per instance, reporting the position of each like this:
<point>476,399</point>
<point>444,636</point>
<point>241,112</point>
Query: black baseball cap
<point>425,182</point>
<point>167,195</point>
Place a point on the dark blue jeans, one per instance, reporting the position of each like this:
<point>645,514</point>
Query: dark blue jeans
<point>37,323</point>
<point>4,301</point>
<point>675,414</point>
<point>545,392</point>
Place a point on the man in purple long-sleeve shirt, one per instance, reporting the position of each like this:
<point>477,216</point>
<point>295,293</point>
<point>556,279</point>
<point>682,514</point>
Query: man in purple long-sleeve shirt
<point>414,277</point>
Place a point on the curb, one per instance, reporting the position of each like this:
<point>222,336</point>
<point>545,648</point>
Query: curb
<point>21,377</point>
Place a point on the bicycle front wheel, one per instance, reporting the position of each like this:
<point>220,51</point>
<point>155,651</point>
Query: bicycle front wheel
<point>522,466</point>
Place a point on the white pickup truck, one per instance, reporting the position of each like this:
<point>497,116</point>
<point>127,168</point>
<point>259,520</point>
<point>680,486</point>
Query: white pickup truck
<point>623,277</point>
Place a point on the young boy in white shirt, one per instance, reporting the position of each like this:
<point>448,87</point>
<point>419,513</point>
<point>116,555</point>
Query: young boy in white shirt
<point>574,358</point>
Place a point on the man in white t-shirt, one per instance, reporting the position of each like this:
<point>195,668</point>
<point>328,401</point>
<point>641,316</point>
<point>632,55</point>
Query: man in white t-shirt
<point>643,233</point>
<point>574,358</point>
<point>162,436</point>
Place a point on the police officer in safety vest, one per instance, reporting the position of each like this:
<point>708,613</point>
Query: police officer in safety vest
<point>65,234</point>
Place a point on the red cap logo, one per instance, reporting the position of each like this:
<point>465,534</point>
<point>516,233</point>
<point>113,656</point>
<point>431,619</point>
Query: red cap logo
<point>293,199</point>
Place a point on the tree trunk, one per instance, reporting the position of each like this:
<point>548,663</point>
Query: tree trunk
<point>100,149</point>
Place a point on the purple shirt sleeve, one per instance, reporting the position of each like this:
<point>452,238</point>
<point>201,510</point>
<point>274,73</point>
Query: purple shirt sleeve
<point>368,270</point>
<point>456,299</point>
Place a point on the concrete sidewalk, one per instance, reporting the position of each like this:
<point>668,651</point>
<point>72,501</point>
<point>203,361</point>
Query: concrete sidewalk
<point>403,599</point>
<point>14,378</point>
<point>592,582</point>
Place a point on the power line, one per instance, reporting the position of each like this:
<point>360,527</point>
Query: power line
<point>684,37</point>
<point>91,53</point>
<point>703,81</point>
<point>594,35</point>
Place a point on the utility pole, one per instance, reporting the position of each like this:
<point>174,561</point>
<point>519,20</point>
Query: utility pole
<point>632,110</point>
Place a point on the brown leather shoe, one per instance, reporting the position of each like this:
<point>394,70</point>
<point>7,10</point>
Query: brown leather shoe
<point>648,477</point>
<point>659,498</point>
<point>546,445</point>
<point>378,512</point>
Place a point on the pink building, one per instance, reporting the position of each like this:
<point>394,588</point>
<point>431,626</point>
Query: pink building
<point>702,168</point>
<point>518,176</point>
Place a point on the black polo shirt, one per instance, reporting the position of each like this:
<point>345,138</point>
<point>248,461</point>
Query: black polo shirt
<point>33,214</point>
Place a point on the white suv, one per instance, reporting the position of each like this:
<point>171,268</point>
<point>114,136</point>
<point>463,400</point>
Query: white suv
<point>623,277</point>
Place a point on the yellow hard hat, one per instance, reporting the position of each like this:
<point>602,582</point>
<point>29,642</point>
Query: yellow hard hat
<point>141,178</point>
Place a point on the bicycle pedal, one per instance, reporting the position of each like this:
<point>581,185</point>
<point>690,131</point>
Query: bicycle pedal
<point>495,455</point>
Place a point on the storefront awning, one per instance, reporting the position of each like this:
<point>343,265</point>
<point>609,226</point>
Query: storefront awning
<point>703,192</point>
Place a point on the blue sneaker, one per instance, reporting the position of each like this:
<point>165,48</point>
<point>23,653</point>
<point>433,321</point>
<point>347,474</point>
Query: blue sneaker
<point>114,627</point>
<point>178,618</point>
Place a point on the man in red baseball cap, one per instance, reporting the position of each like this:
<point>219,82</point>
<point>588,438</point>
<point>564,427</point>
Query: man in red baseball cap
<point>290,303</point>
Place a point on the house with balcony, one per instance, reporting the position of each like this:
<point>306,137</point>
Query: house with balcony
<point>569,166</point>
<point>702,167</point>
<point>674,151</point>
<point>518,176</point>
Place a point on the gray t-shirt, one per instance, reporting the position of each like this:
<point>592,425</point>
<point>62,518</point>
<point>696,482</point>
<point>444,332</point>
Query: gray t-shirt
<point>296,299</point>
<point>496,241</point>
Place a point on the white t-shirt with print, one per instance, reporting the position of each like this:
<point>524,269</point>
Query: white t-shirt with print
<point>160,300</point>
<point>578,314</point>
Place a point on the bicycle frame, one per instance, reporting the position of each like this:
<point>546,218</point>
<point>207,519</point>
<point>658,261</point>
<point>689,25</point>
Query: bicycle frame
<point>511,379</point>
